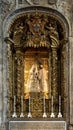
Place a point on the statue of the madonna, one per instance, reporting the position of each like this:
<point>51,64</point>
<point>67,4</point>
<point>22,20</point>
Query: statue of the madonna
<point>37,79</point>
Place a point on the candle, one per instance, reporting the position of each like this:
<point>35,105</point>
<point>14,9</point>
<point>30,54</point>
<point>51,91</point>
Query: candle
<point>14,113</point>
<point>59,103</point>
<point>52,103</point>
<point>22,103</point>
<point>44,103</point>
<point>29,114</point>
<point>59,100</point>
<point>29,104</point>
<point>14,103</point>
<point>59,114</point>
<point>52,113</point>
<point>21,115</point>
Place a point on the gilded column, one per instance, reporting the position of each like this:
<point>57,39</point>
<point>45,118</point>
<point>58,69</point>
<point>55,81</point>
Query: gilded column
<point>54,44</point>
<point>54,73</point>
<point>19,77</point>
<point>54,82</point>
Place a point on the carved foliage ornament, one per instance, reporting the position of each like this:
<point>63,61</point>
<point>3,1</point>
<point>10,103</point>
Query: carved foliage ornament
<point>35,30</point>
<point>52,2</point>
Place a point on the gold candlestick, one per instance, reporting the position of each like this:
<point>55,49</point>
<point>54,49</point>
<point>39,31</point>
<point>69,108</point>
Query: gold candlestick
<point>59,114</point>
<point>14,113</point>
<point>52,112</point>
<point>29,114</point>
<point>44,114</point>
<point>21,115</point>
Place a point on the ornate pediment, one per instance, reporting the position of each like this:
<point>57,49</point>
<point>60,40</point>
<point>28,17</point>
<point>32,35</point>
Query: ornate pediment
<point>36,30</point>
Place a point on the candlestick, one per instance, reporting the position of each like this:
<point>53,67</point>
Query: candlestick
<point>29,114</point>
<point>21,115</point>
<point>44,114</point>
<point>59,114</point>
<point>14,113</point>
<point>52,113</point>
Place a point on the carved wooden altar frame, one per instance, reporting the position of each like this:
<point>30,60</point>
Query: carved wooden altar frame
<point>36,31</point>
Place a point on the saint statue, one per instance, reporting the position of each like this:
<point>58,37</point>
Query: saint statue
<point>43,79</point>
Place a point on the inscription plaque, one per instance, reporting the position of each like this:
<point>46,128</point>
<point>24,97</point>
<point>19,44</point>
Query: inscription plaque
<point>37,125</point>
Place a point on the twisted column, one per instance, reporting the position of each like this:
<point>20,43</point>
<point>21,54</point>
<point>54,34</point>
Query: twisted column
<point>19,66</point>
<point>19,62</point>
<point>19,79</point>
<point>54,73</point>
<point>54,80</point>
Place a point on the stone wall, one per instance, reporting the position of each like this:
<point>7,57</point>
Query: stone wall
<point>8,6</point>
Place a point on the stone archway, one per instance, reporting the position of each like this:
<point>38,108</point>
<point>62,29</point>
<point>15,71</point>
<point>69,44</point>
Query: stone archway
<point>55,42</point>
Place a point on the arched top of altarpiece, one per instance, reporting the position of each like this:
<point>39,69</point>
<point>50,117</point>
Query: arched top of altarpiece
<point>61,21</point>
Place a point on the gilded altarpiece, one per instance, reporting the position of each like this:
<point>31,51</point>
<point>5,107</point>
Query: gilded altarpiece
<point>35,63</point>
<point>33,86</point>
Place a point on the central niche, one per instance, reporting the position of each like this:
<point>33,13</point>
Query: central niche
<point>36,71</point>
<point>36,63</point>
<point>36,80</point>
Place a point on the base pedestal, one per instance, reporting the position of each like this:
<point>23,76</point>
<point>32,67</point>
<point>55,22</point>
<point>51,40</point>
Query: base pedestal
<point>37,125</point>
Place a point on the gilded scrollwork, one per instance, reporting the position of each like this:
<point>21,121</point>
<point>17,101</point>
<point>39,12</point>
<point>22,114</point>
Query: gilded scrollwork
<point>18,29</point>
<point>52,30</point>
<point>36,26</point>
